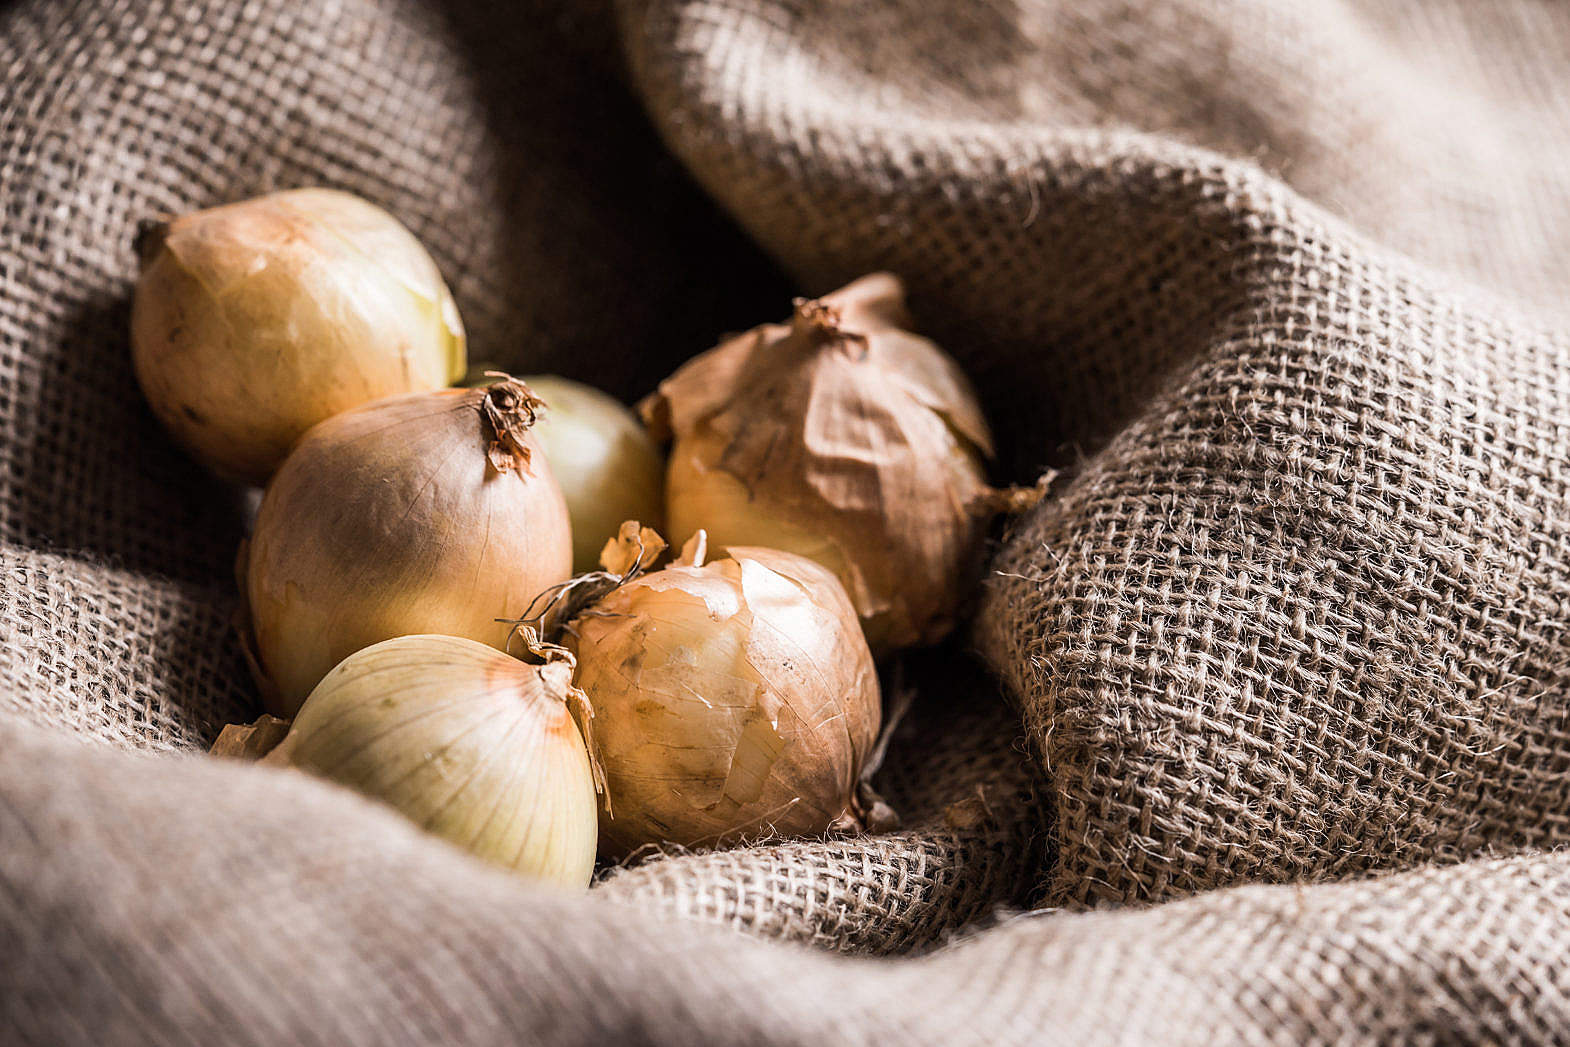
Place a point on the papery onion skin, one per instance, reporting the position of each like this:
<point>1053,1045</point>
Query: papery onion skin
<point>733,702</point>
<point>256,320</point>
<point>846,438</point>
<point>389,520</point>
<point>471,744</point>
<point>608,467</point>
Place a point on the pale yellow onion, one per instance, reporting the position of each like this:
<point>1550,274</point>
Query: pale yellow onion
<point>608,467</point>
<point>843,437</point>
<point>469,743</point>
<point>431,512</point>
<point>733,700</point>
<point>254,321</point>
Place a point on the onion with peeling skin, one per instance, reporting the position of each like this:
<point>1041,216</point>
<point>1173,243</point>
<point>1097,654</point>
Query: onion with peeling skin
<point>846,438</point>
<point>254,321</point>
<point>427,513</point>
<point>471,744</point>
<point>734,700</point>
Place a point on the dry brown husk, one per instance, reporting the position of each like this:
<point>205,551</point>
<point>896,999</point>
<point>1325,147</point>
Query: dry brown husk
<point>735,699</point>
<point>250,741</point>
<point>844,437</point>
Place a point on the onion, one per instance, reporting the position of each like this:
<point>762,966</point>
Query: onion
<point>471,744</point>
<point>608,467</point>
<point>425,513</point>
<point>734,700</point>
<point>843,437</point>
<point>253,322</point>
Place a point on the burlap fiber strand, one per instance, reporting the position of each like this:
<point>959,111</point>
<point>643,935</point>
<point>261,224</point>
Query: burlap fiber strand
<point>1278,286</point>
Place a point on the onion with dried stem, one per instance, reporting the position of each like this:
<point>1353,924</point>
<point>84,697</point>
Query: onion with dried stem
<point>427,513</point>
<point>843,437</point>
<point>735,699</point>
<point>609,468</point>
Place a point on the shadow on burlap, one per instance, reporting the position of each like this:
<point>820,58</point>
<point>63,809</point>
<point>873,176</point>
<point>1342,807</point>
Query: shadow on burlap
<point>1277,287</point>
<point>970,845</point>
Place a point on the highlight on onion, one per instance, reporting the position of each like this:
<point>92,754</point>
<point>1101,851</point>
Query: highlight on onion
<point>426,513</point>
<point>256,320</point>
<point>734,700</point>
<point>469,743</point>
<point>846,438</point>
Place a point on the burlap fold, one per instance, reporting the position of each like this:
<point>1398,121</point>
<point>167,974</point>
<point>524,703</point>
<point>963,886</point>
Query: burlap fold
<point>280,910</point>
<point>1300,611</point>
<point>971,842</point>
<point>1277,287</point>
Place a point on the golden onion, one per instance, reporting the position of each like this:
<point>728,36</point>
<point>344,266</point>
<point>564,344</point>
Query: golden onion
<point>608,467</point>
<point>471,744</point>
<point>843,437</point>
<point>734,700</point>
<point>426,513</point>
<point>254,321</point>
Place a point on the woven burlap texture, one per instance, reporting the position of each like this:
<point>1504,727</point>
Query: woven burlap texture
<point>1275,286</point>
<point>1303,607</point>
<point>276,910</point>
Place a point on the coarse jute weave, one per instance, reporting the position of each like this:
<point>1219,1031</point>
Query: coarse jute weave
<point>1279,672</point>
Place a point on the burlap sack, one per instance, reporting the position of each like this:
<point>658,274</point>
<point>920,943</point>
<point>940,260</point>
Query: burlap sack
<point>276,910</point>
<point>971,842</point>
<point>1278,285</point>
<point>1306,612</point>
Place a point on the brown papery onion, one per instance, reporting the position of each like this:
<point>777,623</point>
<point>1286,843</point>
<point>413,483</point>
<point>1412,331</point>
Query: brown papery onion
<point>427,513</point>
<point>733,700</point>
<point>846,438</point>
<point>254,321</point>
